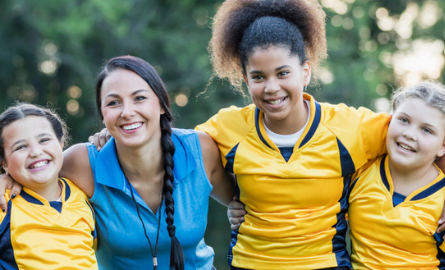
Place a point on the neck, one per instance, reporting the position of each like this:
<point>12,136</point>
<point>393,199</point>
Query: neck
<point>291,124</point>
<point>407,180</point>
<point>51,192</point>
<point>141,163</point>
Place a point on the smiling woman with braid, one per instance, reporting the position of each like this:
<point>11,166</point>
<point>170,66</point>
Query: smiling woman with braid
<point>148,182</point>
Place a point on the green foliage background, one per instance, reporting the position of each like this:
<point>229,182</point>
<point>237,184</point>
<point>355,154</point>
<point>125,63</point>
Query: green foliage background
<point>51,51</point>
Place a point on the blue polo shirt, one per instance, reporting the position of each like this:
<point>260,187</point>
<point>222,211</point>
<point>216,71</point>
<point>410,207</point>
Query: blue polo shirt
<point>121,240</point>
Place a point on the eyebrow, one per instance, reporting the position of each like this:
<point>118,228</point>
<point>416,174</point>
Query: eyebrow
<point>133,94</point>
<point>38,136</point>
<point>426,124</point>
<point>278,68</point>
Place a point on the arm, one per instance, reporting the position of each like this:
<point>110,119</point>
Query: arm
<point>76,167</point>
<point>6,182</point>
<point>223,183</point>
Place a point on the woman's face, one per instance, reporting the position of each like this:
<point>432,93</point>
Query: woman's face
<point>276,82</point>
<point>130,108</point>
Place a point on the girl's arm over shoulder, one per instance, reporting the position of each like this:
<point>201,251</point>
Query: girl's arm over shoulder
<point>223,182</point>
<point>76,167</point>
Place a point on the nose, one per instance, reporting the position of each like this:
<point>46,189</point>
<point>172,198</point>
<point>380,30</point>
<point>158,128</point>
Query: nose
<point>272,86</point>
<point>35,151</point>
<point>127,110</point>
<point>410,134</point>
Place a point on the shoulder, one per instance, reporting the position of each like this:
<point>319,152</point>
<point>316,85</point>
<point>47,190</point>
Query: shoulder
<point>190,140</point>
<point>77,167</point>
<point>231,116</point>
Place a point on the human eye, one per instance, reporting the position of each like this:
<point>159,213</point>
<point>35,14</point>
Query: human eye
<point>140,98</point>
<point>283,73</point>
<point>112,103</point>
<point>403,120</point>
<point>427,130</point>
<point>43,140</point>
<point>20,147</point>
<point>257,77</point>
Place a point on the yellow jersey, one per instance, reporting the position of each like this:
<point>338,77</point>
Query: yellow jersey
<point>295,207</point>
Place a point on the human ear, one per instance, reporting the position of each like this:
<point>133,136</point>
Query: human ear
<point>441,151</point>
<point>245,79</point>
<point>5,167</point>
<point>307,72</point>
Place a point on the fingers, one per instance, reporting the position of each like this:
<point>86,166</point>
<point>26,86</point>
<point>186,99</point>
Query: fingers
<point>236,205</point>
<point>235,227</point>
<point>5,183</point>
<point>100,139</point>
<point>104,136</point>
<point>15,190</point>
<point>3,204</point>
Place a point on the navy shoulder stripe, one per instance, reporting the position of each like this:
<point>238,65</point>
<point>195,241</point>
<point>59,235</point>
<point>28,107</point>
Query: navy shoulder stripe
<point>429,191</point>
<point>7,259</point>
<point>314,125</point>
<point>67,189</point>
<point>257,125</point>
<point>30,198</point>
<point>231,159</point>
<point>347,164</point>
<point>383,173</point>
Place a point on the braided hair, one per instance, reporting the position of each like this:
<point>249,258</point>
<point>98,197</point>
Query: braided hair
<point>149,74</point>
<point>241,26</point>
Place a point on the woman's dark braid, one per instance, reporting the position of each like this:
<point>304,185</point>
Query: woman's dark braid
<point>168,149</point>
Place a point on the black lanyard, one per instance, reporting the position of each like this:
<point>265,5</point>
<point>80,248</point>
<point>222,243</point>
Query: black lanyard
<point>153,253</point>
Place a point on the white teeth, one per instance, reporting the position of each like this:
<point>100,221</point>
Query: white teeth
<point>39,164</point>
<point>131,127</point>
<point>406,147</point>
<point>275,102</point>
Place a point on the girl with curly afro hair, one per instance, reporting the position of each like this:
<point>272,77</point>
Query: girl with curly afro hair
<point>293,157</point>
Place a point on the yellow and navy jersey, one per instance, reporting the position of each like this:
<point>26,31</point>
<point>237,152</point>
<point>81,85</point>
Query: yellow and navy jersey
<point>37,234</point>
<point>295,206</point>
<point>389,232</point>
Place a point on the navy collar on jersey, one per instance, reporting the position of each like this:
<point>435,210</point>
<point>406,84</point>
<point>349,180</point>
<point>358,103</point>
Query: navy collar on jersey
<point>108,171</point>
<point>427,192</point>
<point>66,192</point>
<point>314,125</point>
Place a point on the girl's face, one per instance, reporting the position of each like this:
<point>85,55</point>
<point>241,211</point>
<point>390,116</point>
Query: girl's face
<point>276,82</point>
<point>131,110</point>
<point>416,135</point>
<point>33,154</point>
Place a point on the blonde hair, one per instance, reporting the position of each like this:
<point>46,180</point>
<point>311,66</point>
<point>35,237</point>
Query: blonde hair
<point>431,92</point>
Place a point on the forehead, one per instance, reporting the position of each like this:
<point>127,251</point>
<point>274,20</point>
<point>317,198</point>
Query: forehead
<point>271,55</point>
<point>121,81</point>
<point>26,128</point>
<point>418,108</point>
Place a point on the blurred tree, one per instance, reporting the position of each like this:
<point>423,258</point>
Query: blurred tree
<point>52,50</point>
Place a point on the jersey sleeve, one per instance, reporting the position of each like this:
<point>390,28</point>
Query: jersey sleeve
<point>372,130</point>
<point>228,127</point>
<point>361,131</point>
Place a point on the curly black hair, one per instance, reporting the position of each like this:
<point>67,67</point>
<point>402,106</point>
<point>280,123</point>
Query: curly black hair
<point>241,26</point>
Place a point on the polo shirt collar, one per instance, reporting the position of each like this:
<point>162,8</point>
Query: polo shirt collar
<point>109,172</point>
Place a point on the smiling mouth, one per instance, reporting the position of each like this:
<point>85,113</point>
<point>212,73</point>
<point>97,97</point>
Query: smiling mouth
<point>132,126</point>
<point>276,102</point>
<point>38,164</point>
<point>406,147</point>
